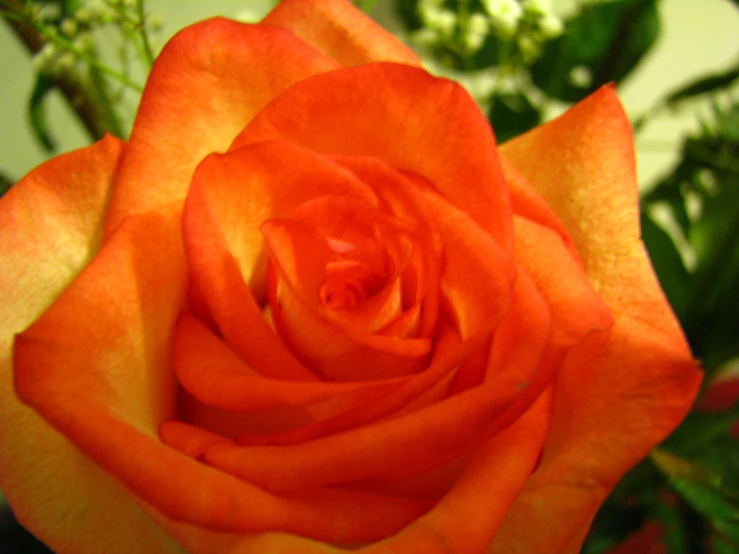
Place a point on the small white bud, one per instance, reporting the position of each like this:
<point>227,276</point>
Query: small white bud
<point>155,22</point>
<point>580,76</point>
<point>551,26</point>
<point>68,27</point>
<point>44,58</point>
<point>84,42</point>
<point>530,49</point>
<point>425,37</point>
<point>443,21</point>
<point>65,62</point>
<point>540,7</point>
<point>84,16</point>
<point>505,15</point>
<point>478,27</point>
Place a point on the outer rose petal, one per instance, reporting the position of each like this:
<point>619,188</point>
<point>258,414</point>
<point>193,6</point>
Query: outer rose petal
<point>341,31</point>
<point>51,224</point>
<point>583,165</point>
<point>207,83</point>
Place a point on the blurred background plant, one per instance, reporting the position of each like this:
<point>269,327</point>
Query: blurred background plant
<point>524,61</point>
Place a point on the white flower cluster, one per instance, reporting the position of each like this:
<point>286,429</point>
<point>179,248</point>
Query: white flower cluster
<point>547,21</point>
<point>528,23</point>
<point>505,16</point>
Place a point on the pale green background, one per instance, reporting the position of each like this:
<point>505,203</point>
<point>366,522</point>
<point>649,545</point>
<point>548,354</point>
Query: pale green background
<point>698,36</point>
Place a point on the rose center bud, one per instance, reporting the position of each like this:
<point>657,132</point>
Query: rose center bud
<point>348,282</point>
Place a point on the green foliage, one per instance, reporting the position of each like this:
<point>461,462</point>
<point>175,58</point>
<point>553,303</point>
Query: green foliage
<point>513,114</point>
<point>703,85</point>
<point>5,184</point>
<point>706,178</point>
<point>666,257</point>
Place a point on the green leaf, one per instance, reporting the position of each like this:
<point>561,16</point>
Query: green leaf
<point>667,263</point>
<point>407,11</point>
<point>37,111</point>
<point>712,316</point>
<point>707,501</point>
<point>729,531</point>
<point>701,433</point>
<point>612,525</point>
<point>703,85</point>
<point>512,115</point>
<point>606,39</point>
<point>365,5</point>
<point>676,536</point>
<point>5,184</point>
<point>682,469</point>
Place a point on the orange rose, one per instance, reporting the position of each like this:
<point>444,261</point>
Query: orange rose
<point>310,305</point>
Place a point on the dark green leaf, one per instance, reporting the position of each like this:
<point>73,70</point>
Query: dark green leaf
<point>675,536</point>
<point>707,501</point>
<point>702,433</point>
<point>5,184</point>
<point>407,11</point>
<point>612,525</point>
<point>37,111</point>
<point>729,531</point>
<point>703,85</point>
<point>712,316</point>
<point>512,115</point>
<point>667,263</point>
<point>607,39</point>
<point>677,467</point>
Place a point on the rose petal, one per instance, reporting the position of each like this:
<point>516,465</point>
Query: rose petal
<point>213,374</point>
<point>527,202</point>
<point>466,520</point>
<point>576,308</point>
<point>642,366</point>
<point>424,125</point>
<point>583,166</point>
<point>593,443</point>
<point>449,352</point>
<point>341,31</point>
<point>478,275</point>
<point>206,84</point>
<point>51,224</point>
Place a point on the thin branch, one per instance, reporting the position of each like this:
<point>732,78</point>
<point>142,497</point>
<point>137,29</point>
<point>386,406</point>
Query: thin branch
<point>96,118</point>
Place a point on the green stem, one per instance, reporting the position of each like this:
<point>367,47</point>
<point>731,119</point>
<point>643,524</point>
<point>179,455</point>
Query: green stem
<point>85,57</point>
<point>95,117</point>
<point>146,44</point>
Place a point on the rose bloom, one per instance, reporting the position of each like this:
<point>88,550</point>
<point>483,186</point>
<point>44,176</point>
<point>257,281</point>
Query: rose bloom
<point>311,307</point>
